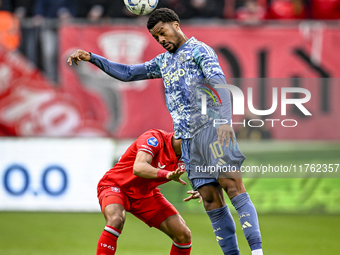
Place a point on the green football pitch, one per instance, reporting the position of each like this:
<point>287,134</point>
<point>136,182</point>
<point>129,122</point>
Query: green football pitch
<point>28,233</point>
<point>297,215</point>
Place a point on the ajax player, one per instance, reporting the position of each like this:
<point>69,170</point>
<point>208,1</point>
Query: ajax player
<point>131,186</point>
<point>187,67</point>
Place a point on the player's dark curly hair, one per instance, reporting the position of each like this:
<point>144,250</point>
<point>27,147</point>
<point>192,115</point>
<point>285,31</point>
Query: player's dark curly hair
<point>162,14</point>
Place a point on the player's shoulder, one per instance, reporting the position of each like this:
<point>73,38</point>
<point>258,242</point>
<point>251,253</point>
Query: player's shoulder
<point>198,44</point>
<point>200,48</point>
<point>158,59</point>
<point>156,137</point>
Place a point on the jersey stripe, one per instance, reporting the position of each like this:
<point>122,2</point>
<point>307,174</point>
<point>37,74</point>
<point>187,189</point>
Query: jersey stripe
<point>208,49</point>
<point>149,151</point>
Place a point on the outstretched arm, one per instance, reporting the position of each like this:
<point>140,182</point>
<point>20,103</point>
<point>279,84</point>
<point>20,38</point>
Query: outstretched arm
<point>142,167</point>
<point>116,70</point>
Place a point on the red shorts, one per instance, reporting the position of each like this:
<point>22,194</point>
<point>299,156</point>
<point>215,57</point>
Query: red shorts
<point>152,210</point>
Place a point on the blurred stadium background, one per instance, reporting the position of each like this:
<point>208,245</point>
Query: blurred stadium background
<point>62,128</point>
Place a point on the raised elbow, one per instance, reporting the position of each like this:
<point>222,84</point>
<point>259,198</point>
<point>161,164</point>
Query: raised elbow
<point>136,170</point>
<point>129,78</point>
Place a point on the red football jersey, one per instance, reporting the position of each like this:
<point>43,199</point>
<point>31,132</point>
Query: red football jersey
<point>158,144</point>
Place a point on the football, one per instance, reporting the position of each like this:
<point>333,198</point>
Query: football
<point>141,7</point>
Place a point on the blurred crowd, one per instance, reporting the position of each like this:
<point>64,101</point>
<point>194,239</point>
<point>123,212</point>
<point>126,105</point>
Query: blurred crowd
<point>188,9</point>
<point>32,25</point>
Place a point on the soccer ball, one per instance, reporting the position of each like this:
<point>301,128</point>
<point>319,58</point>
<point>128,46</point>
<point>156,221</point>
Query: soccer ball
<point>141,7</point>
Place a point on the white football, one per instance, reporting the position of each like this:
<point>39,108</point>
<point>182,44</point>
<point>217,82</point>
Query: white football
<point>141,7</point>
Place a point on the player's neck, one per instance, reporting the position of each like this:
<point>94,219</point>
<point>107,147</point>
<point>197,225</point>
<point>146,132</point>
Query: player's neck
<point>176,145</point>
<point>184,39</point>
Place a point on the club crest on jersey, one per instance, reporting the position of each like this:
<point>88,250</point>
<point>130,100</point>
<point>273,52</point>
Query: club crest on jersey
<point>115,189</point>
<point>181,165</point>
<point>152,141</point>
<point>182,56</point>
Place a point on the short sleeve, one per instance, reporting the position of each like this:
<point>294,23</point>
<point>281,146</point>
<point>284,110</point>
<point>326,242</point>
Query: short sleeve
<point>153,67</point>
<point>149,143</point>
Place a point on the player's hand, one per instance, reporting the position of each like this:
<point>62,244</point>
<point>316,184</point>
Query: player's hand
<point>225,131</point>
<point>79,55</point>
<point>175,176</point>
<point>194,195</point>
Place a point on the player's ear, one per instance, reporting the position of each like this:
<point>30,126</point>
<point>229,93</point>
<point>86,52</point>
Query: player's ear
<point>175,24</point>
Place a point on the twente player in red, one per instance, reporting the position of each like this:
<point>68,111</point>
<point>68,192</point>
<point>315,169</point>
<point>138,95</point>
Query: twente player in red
<point>131,186</point>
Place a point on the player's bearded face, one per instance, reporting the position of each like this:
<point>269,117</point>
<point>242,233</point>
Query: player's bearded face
<point>167,35</point>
